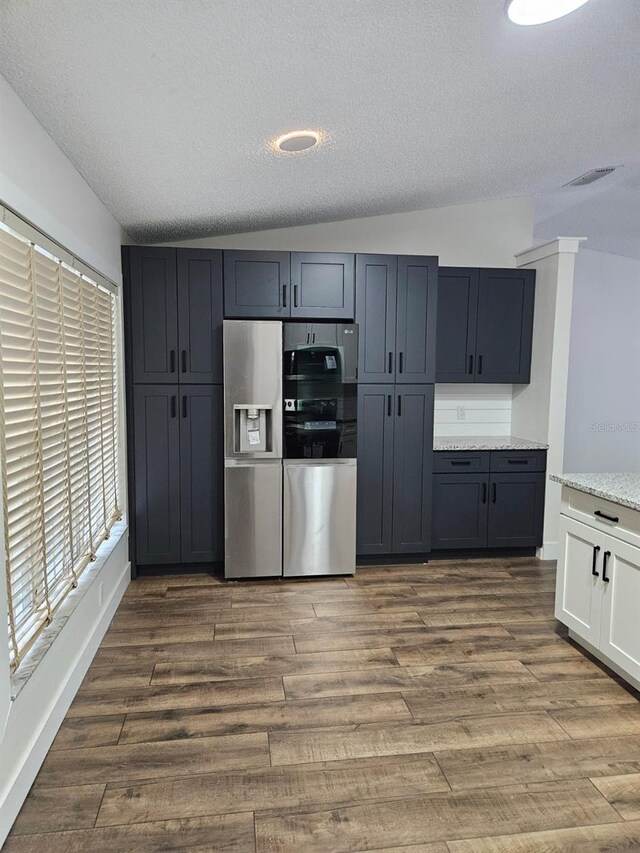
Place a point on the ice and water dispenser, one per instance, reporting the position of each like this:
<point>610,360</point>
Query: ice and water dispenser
<point>253,429</point>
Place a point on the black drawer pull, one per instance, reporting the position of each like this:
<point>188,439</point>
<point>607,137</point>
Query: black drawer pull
<point>518,461</point>
<point>400,360</point>
<point>390,370</point>
<point>470,364</point>
<point>172,361</point>
<point>596,551</point>
<point>479,365</point>
<point>388,405</point>
<point>484,493</point>
<point>494,495</point>
<point>184,405</point>
<point>284,295</point>
<point>605,560</point>
<point>399,405</point>
<point>173,405</point>
<point>461,462</point>
<point>613,518</point>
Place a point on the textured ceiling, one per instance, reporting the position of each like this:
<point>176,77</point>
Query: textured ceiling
<point>166,106</point>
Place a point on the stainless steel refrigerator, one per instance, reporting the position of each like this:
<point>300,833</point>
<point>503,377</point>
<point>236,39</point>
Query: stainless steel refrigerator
<point>290,397</point>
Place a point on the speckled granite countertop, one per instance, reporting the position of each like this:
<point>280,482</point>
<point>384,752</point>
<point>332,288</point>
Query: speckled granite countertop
<point>623,489</point>
<point>485,442</point>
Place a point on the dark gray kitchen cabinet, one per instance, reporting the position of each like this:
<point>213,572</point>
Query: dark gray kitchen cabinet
<point>505,325</point>
<point>516,510</point>
<point>156,431</point>
<point>396,314</point>
<point>456,324</point>
<point>460,503</point>
<point>200,314</point>
<point>376,414</point>
<point>201,474</point>
<point>412,469</point>
<point>257,284</point>
<point>484,325</point>
<point>154,314</point>
<point>322,285</point>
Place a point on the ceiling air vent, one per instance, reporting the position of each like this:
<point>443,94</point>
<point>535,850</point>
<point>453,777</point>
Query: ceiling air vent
<point>590,177</point>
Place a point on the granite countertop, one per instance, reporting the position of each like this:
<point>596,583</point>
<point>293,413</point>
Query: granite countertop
<point>485,442</point>
<point>623,489</point>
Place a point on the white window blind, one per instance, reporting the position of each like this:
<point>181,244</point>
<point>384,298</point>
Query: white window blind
<point>58,429</point>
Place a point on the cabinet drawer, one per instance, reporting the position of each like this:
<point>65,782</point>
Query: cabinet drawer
<point>619,521</point>
<point>513,461</point>
<point>461,461</point>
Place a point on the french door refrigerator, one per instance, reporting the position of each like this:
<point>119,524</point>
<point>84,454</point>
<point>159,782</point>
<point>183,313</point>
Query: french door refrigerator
<point>290,396</point>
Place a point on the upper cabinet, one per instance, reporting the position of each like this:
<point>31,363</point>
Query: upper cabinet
<point>277,285</point>
<point>485,325</point>
<point>175,314</point>
<point>396,313</point>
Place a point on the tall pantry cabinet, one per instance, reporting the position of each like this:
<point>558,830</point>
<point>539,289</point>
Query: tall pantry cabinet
<point>173,344</point>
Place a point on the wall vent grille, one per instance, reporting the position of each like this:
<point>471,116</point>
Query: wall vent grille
<point>590,177</point>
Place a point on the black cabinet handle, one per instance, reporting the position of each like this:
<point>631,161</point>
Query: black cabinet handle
<point>479,365</point>
<point>470,365</point>
<point>596,551</point>
<point>390,362</point>
<point>313,338</point>
<point>484,493</point>
<point>605,560</point>
<point>461,462</point>
<point>172,361</point>
<point>173,405</point>
<point>184,405</point>
<point>295,295</point>
<point>494,493</point>
<point>284,295</point>
<point>183,356</point>
<point>400,359</point>
<point>399,405</point>
<point>613,518</point>
<point>517,461</point>
<point>388,405</point>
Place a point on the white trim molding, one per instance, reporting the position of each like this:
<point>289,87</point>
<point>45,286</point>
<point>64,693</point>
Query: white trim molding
<point>545,250</point>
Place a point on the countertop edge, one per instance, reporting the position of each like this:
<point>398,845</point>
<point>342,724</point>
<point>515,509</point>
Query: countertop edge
<point>596,491</point>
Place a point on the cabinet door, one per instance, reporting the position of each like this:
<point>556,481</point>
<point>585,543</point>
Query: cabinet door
<point>376,286</point>
<point>412,469</point>
<point>459,511</point>
<point>201,473</point>
<point>505,325</point>
<point>323,285</point>
<point>456,324</point>
<point>578,578</point>
<point>516,510</point>
<point>619,634</point>
<point>416,306</point>
<point>157,473</point>
<point>154,314</point>
<point>376,415</point>
<point>200,315</point>
<point>256,284</point>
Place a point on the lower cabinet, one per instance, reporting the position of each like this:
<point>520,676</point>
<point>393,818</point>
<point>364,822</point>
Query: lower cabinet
<point>178,464</point>
<point>598,590</point>
<point>484,507</point>
<point>395,450</point>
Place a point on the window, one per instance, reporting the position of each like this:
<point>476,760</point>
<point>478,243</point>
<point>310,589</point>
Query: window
<point>58,428</point>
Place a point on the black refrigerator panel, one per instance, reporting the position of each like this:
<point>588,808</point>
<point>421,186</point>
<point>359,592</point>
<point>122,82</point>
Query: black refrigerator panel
<point>320,390</point>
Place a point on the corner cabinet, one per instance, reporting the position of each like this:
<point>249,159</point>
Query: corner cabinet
<point>484,325</point>
<point>598,579</point>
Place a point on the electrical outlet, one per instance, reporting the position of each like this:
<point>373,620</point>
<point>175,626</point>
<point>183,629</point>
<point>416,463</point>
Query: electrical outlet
<point>100,593</point>
<point>462,413</point>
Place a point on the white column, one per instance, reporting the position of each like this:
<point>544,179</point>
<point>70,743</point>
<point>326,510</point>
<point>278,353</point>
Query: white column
<point>538,410</point>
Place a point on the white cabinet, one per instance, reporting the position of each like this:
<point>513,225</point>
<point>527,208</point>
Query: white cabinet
<point>598,593</point>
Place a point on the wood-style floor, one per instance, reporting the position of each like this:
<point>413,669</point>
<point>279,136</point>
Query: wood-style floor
<point>412,709</point>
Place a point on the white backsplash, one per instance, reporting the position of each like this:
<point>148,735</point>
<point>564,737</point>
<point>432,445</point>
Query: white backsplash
<point>487,409</point>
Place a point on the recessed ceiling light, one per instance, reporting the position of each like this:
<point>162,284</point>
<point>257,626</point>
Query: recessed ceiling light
<point>530,12</point>
<point>297,140</point>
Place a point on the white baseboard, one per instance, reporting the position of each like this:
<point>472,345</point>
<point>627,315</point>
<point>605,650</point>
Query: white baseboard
<point>549,551</point>
<point>42,703</point>
<point>605,660</point>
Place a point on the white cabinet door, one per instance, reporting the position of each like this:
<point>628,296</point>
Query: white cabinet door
<point>620,627</point>
<point>579,586</point>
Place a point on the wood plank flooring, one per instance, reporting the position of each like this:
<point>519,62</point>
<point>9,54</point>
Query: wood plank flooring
<point>412,709</point>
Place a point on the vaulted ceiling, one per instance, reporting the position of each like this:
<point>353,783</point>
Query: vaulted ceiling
<point>167,106</point>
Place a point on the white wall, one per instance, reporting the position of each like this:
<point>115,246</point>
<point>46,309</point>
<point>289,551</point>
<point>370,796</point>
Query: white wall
<point>39,182</point>
<point>484,234</point>
<point>603,397</point>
